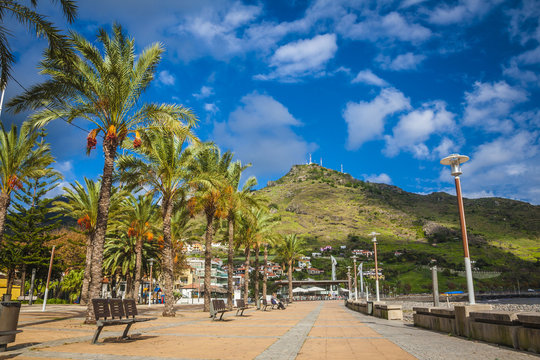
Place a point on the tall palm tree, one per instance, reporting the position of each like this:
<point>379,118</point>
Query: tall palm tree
<point>162,166</point>
<point>235,200</point>
<point>255,226</point>
<point>140,217</point>
<point>38,24</point>
<point>21,157</point>
<point>82,204</point>
<point>209,171</point>
<point>290,248</point>
<point>105,89</point>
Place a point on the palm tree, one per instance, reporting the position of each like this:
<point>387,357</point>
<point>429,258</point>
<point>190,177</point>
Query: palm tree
<point>255,226</point>
<point>104,89</point>
<point>162,167</point>
<point>140,215</point>
<point>209,171</point>
<point>21,157</point>
<point>290,248</point>
<point>235,200</point>
<point>82,204</point>
<point>37,24</point>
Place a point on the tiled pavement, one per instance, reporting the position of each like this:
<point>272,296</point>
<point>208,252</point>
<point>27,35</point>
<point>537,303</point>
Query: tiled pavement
<point>305,330</point>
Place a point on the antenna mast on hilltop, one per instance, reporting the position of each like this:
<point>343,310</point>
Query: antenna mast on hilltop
<point>321,162</point>
<point>309,159</point>
<point>342,168</point>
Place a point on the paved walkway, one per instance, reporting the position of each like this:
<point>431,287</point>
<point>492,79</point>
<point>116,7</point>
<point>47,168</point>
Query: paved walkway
<point>305,330</point>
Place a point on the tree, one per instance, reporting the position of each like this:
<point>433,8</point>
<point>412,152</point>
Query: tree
<point>140,220</point>
<point>72,283</point>
<point>104,89</point>
<point>82,202</point>
<point>208,171</point>
<point>30,225</point>
<point>37,24</point>
<point>290,248</point>
<point>21,158</point>
<point>235,200</point>
<point>163,166</point>
<point>255,226</point>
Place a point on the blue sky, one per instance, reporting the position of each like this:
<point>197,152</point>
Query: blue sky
<point>386,88</point>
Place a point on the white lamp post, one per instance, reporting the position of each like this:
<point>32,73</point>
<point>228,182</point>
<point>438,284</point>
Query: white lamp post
<point>374,234</point>
<point>151,261</point>
<point>349,280</point>
<point>455,161</point>
<point>355,279</point>
<point>361,279</point>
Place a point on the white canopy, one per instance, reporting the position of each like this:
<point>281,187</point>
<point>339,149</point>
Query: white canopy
<point>299,290</point>
<point>314,288</point>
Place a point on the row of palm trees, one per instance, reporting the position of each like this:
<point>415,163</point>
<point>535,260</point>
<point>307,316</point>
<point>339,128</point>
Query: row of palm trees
<point>103,85</point>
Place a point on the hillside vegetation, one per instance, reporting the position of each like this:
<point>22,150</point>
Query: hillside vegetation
<point>327,207</point>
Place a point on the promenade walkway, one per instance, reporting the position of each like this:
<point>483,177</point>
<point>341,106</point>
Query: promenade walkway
<point>306,330</point>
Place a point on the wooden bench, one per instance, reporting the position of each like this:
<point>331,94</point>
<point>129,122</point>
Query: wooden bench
<point>240,307</point>
<point>264,304</point>
<point>217,306</point>
<point>109,312</point>
<point>3,346</point>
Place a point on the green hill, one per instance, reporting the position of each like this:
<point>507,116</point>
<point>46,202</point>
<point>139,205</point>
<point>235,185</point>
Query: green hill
<point>327,207</point>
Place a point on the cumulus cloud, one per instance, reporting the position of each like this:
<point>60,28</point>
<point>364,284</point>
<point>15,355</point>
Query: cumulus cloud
<point>211,108</point>
<point>463,11</point>
<point>365,120</point>
<point>302,57</point>
<point>380,179</point>
<point>416,127</point>
<point>507,166</point>
<point>408,61</point>
<point>205,92</point>
<point>489,105</point>
<point>166,78</point>
<point>368,77</point>
<point>260,131</point>
<point>373,27</point>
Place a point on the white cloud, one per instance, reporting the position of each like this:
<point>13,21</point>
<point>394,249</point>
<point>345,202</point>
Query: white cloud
<point>416,127</point>
<point>464,11</point>
<point>445,148</point>
<point>302,58</point>
<point>365,120</point>
<point>368,77</point>
<point>373,27</point>
<point>260,131</point>
<point>508,166</point>
<point>211,108</point>
<point>166,78</point>
<point>408,61</point>
<point>205,92</point>
<point>380,179</point>
<point>489,105</point>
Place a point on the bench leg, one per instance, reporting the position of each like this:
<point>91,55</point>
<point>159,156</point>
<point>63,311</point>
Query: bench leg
<point>96,334</point>
<point>238,310</point>
<point>221,317</point>
<point>242,313</point>
<point>3,347</point>
<point>126,330</point>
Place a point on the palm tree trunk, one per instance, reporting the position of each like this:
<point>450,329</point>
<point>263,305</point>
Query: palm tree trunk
<point>246,275</point>
<point>265,274</point>
<point>10,279</point>
<point>289,274</point>
<point>168,260</point>
<point>257,285</point>
<point>109,150</point>
<point>208,258</point>
<point>87,271</point>
<point>138,264</point>
<point>5,199</point>
<point>230,254</point>
<point>23,279</point>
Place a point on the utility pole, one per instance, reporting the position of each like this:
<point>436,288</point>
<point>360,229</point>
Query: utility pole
<point>48,279</point>
<point>435,286</point>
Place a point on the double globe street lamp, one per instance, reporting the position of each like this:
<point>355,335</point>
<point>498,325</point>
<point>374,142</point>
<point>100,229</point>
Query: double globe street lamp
<point>455,161</point>
<point>374,234</point>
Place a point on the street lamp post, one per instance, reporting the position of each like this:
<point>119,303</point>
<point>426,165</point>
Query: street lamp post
<point>374,234</point>
<point>455,161</point>
<point>361,279</point>
<point>151,261</point>
<point>355,278</point>
<point>349,280</point>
